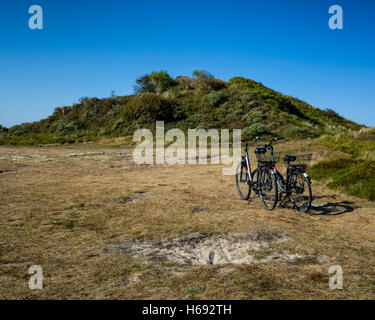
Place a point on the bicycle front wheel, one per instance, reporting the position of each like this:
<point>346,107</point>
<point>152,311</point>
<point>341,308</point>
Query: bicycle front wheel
<point>300,191</point>
<point>243,182</point>
<point>268,189</point>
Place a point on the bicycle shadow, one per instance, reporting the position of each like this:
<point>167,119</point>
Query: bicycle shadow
<point>331,208</point>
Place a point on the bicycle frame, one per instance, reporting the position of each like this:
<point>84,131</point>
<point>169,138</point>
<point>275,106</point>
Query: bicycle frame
<point>286,189</point>
<point>272,162</point>
<point>248,165</point>
<point>290,169</point>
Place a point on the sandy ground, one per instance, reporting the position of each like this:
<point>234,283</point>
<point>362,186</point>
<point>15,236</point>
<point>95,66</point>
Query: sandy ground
<point>103,227</point>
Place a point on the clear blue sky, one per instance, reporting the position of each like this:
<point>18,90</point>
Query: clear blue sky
<point>88,48</point>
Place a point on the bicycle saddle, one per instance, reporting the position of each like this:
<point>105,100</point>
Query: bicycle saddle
<point>289,158</point>
<point>260,150</point>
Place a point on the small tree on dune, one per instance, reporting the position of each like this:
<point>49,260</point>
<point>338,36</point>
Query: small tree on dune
<point>156,82</point>
<point>202,79</point>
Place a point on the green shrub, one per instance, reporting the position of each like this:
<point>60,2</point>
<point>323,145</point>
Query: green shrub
<point>65,129</point>
<point>118,124</point>
<point>248,97</point>
<point>147,108</point>
<point>295,132</point>
<point>80,125</point>
<point>364,189</point>
<point>83,99</point>
<point>214,98</point>
<point>332,113</point>
<point>203,80</point>
<point>156,82</point>
<point>356,177</point>
<point>19,130</point>
<point>242,83</point>
<point>3,129</point>
<point>348,144</point>
<point>217,84</point>
<point>257,129</point>
<point>184,83</point>
<point>202,75</point>
<point>254,116</point>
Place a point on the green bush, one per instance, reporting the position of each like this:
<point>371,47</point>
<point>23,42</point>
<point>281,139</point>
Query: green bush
<point>242,83</point>
<point>202,75</point>
<point>257,129</point>
<point>118,124</point>
<point>156,82</point>
<point>19,130</point>
<point>357,177</point>
<point>184,83</point>
<point>248,98</point>
<point>295,132</point>
<point>3,129</point>
<point>203,80</point>
<point>217,84</point>
<point>332,113</point>
<point>83,99</point>
<point>348,144</point>
<point>148,108</point>
<point>65,129</point>
<point>254,116</point>
<point>214,98</point>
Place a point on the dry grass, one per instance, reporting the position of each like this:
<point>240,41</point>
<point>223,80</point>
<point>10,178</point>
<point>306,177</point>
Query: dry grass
<point>62,213</point>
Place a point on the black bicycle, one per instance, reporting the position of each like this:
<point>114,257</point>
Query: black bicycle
<point>297,186</point>
<point>261,181</point>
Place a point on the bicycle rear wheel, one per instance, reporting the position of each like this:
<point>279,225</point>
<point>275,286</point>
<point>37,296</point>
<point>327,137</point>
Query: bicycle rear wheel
<point>300,191</point>
<point>268,189</point>
<point>280,184</point>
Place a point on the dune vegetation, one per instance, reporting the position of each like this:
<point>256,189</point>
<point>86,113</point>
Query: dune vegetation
<point>200,101</point>
<point>354,171</point>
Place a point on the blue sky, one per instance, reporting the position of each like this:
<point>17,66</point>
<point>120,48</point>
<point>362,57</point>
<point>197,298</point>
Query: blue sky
<point>88,48</point>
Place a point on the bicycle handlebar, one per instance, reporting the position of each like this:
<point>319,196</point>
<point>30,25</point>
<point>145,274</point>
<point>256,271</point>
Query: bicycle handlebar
<point>269,145</point>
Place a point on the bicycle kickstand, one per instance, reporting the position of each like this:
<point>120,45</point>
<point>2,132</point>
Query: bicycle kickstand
<point>251,199</point>
<point>283,201</point>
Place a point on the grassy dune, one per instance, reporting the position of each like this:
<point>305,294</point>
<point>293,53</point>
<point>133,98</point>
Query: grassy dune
<point>185,103</point>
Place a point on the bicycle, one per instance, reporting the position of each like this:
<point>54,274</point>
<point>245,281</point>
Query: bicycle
<point>261,181</point>
<point>297,186</point>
